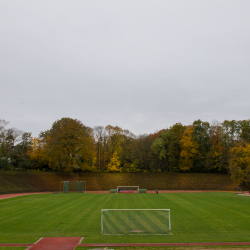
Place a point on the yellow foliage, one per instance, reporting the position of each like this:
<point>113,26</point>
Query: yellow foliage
<point>114,164</point>
<point>239,165</point>
<point>189,150</point>
<point>38,154</point>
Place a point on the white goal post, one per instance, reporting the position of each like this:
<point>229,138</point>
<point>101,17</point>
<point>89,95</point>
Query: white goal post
<point>135,222</point>
<point>127,188</point>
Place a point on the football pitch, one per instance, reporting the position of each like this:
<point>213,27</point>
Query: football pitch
<point>195,217</point>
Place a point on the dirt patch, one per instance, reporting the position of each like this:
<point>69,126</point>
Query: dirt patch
<point>245,194</point>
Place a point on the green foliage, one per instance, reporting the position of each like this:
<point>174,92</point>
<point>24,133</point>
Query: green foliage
<point>167,147</point>
<point>14,147</point>
<point>4,164</point>
<point>21,157</point>
<point>132,168</point>
<point>142,155</point>
<point>245,130</point>
<point>200,133</point>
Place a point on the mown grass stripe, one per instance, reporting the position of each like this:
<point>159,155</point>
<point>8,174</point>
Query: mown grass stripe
<point>112,225</point>
<point>198,217</point>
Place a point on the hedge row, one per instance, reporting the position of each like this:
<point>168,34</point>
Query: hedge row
<point>13,182</point>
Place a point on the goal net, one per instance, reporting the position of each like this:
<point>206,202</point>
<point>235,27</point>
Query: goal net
<point>127,189</point>
<point>73,186</point>
<point>135,222</point>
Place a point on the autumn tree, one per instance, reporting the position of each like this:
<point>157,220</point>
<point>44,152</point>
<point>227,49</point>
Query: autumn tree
<point>100,143</point>
<point>70,146</point>
<point>239,164</point>
<point>114,164</point>
<point>115,139</point>
<point>38,153</point>
<point>189,151</point>
<point>178,129</point>
<point>127,153</point>
<point>108,140</point>
<point>214,156</point>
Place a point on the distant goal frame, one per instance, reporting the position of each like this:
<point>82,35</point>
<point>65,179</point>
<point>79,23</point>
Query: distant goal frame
<point>64,186</point>
<point>169,220</point>
<point>128,187</point>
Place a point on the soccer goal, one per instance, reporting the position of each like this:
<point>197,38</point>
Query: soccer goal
<point>135,222</point>
<point>127,189</point>
<point>73,186</point>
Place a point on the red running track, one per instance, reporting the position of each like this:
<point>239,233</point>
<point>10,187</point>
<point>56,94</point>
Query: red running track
<point>70,243</point>
<point>5,196</point>
<point>57,243</point>
<point>164,244</point>
<point>51,243</point>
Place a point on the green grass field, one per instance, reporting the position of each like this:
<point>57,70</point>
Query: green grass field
<point>195,217</point>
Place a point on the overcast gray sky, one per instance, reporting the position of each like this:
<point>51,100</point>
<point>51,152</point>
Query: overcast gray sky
<point>139,64</point>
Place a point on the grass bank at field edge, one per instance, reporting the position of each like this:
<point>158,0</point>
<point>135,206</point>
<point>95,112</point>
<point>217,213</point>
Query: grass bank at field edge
<point>20,182</point>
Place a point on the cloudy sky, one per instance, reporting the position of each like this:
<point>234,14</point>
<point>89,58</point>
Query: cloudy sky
<point>142,65</point>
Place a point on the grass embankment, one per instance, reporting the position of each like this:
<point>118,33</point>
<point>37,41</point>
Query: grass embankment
<point>16,182</point>
<point>196,217</point>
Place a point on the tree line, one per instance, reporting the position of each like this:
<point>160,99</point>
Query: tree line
<point>70,146</point>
